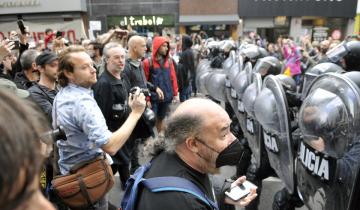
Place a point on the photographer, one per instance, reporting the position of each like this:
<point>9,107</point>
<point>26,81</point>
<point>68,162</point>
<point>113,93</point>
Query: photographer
<point>111,94</point>
<point>134,71</point>
<point>84,124</point>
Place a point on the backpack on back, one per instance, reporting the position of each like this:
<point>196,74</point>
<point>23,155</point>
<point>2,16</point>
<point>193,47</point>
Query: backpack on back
<point>159,184</point>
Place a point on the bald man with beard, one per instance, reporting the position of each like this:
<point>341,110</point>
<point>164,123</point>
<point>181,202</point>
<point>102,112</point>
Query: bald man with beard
<point>197,142</point>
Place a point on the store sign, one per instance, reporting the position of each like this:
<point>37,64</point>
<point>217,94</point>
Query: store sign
<point>272,8</point>
<point>144,20</point>
<point>320,33</point>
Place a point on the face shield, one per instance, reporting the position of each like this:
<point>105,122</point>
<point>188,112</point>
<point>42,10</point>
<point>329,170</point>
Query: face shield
<point>266,111</point>
<point>337,53</point>
<point>324,122</point>
<point>262,67</point>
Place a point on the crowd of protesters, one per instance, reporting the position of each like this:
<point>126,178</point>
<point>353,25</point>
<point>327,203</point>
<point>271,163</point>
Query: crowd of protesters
<point>120,59</point>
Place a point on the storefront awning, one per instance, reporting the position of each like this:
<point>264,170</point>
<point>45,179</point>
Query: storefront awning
<point>208,19</point>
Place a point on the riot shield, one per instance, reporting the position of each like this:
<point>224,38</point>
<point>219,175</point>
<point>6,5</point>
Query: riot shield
<point>272,111</point>
<point>240,84</point>
<point>241,81</point>
<point>316,71</point>
<point>202,72</point>
<point>253,131</point>
<point>328,157</point>
<point>229,61</point>
<point>215,84</point>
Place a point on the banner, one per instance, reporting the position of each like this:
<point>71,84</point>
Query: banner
<point>72,30</point>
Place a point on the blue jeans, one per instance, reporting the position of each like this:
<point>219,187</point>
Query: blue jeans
<point>185,93</point>
<point>160,109</point>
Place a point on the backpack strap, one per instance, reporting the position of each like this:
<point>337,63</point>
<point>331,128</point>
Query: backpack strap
<point>133,182</point>
<point>172,183</point>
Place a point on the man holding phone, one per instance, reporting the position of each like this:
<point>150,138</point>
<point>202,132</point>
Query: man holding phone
<point>197,142</point>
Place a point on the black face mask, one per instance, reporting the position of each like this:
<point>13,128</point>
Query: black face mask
<point>229,156</point>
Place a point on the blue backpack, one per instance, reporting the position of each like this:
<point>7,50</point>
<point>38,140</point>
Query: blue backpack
<point>159,184</point>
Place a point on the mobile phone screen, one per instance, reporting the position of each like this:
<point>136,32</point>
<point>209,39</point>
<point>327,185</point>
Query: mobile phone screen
<point>238,192</point>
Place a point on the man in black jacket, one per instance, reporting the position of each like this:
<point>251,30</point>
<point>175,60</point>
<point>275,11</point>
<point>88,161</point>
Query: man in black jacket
<point>135,73</point>
<point>29,74</point>
<point>197,142</point>
<point>133,68</point>
<point>186,69</point>
<point>111,94</point>
<point>44,92</point>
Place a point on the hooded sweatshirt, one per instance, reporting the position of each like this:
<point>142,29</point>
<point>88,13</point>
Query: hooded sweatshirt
<point>161,75</point>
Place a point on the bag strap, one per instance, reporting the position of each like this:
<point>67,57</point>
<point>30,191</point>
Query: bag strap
<point>173,183</point>
<point>83,189</point>
<point>136,178</point>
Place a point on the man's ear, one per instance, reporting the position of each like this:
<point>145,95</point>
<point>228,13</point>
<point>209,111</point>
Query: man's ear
<point>33,65</point>
<point>192,144</point>
<point>40,69</point>
<point>69,75</point>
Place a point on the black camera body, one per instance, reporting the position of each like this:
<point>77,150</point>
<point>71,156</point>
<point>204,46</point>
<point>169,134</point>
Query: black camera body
<point>56,134</point>
<point>145,91</point>
<point>148,115</point>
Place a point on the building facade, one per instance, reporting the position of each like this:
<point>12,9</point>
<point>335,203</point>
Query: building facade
<point>317,18</point>
<point>67,16</point>
<point>215,18</point>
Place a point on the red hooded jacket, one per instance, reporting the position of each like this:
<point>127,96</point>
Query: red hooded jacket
<point>157,42</point>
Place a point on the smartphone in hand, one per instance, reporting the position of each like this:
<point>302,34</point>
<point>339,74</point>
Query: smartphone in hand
<point>21,26</point>
<point>238,192</point>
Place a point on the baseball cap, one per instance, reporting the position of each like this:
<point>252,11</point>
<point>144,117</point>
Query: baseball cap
<point>10,87</point>
<point>45,58</point>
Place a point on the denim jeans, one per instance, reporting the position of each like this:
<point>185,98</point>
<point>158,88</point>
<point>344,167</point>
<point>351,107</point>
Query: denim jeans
<point>185,93</point>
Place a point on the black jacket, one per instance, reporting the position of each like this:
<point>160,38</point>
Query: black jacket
<point>135,74</point>
<point>169,164</point>
<point>22,81</point>
<point>44,97</point>
<point>186,67</point>
<point>111,95</point>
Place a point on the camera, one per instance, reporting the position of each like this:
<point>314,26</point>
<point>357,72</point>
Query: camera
<point>145,91</point>
<point>55,135</point>
<point>148,115</point>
